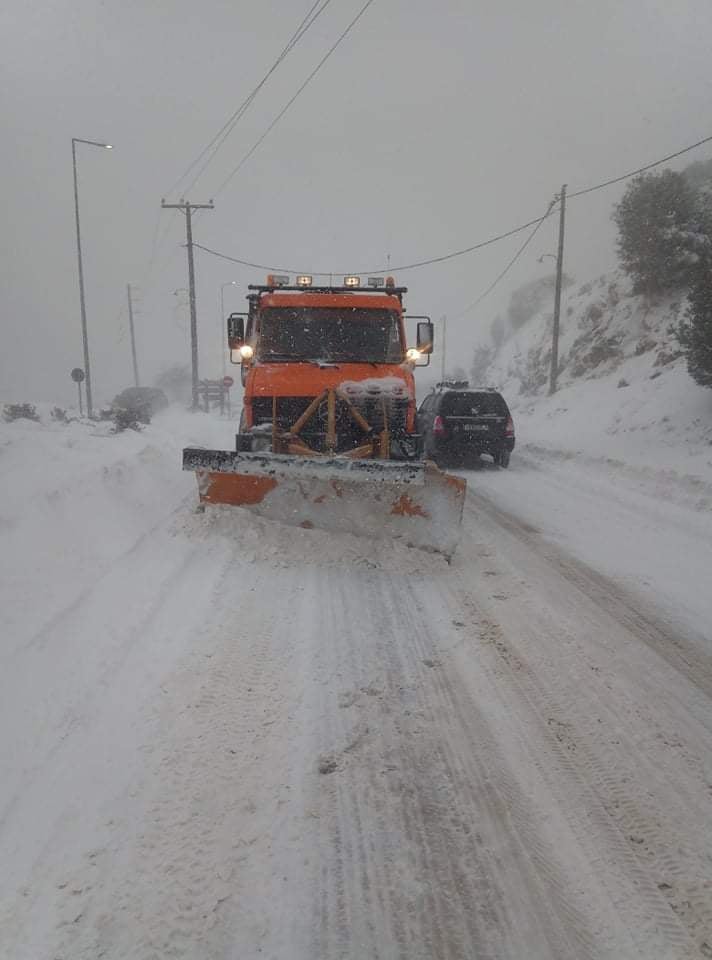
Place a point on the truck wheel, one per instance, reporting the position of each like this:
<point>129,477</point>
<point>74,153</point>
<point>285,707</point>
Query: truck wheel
<point>502,458</point>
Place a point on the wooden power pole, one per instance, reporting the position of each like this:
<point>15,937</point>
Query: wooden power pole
<point>557,297</point>
<point>133,337</point>
<point>187,208</point>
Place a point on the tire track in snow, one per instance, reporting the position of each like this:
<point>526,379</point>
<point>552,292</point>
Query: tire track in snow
<point>219,834</point>
<point>656,830</point>
<point>680,653</point>
<point>469,904</point>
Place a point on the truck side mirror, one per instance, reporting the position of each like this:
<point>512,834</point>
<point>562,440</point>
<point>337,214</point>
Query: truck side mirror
<point>425,336</point>
<point>235,330</point>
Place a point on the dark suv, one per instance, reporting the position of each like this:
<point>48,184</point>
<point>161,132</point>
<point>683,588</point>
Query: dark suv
<point>459,424</point>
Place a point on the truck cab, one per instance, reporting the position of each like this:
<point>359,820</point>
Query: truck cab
<point>301,344</point>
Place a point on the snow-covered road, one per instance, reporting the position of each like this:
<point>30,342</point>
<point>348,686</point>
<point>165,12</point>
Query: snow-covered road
<point>230,739</point>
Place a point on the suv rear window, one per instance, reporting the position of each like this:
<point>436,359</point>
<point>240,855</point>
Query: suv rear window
<point>473,405</point>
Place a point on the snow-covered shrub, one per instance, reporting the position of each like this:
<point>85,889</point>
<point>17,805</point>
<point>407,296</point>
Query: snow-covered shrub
<point>125,419</point>
<point>481,360</point>
<point>695,331</point>
<point>19,411</point>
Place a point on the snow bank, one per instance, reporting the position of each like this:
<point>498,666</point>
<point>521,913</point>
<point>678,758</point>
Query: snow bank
<point>75,497</point>
<point>624,392</point>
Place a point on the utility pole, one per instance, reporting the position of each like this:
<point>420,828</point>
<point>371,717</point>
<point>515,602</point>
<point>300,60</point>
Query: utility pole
<point>82,298</point>
<point>133,337</point>
<point>557,296</point>
<point>187,208</point>
<point>443,321</point>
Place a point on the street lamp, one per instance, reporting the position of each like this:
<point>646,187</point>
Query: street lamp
<point>541,258</point>
<point>105,146</point>
<point>228,283</point>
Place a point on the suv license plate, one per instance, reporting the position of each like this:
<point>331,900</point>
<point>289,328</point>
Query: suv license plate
<point>475,426</point>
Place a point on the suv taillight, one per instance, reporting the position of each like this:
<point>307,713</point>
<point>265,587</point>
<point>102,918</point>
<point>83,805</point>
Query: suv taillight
<point>438,426</point>
<point>509,428</point>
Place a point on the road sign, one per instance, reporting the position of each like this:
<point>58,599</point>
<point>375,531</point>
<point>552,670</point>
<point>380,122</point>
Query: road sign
<point>77,374</point>
<point>228,382</point>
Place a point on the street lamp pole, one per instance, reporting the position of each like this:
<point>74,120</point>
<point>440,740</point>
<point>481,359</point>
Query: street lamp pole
<point>82,302</point>
<point>228,283</point>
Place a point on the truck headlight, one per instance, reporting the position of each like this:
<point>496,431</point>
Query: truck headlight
<point>246,352</point>
<point>412,354</point>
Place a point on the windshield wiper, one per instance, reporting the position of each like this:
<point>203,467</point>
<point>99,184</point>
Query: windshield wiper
<point>298,358</point>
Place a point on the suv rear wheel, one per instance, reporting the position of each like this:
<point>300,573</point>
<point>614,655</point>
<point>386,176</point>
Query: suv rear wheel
<point>501,458</point>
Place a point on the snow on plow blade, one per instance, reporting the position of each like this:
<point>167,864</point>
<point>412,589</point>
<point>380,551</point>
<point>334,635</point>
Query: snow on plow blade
<point>414,502</point>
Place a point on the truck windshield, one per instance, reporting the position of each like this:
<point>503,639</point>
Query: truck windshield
<point>325,333</point>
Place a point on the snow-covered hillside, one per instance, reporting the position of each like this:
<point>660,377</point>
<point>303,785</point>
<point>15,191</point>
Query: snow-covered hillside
<point>624,391</point>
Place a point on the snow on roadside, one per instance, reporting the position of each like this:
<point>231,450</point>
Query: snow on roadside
<point>75,497</point>
<point>625,398</point>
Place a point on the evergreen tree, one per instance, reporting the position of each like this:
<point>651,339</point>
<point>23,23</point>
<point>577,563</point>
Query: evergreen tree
<point>481,360</point>
<point>660,232</point>
<point>695,331</point>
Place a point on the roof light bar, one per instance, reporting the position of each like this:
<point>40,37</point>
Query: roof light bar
<point>277,280</point>
<point>376,281</point>
<point>304,281</point>
<point>352,281</point>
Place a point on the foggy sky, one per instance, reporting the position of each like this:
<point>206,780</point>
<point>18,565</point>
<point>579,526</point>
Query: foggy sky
<point>432,126</point>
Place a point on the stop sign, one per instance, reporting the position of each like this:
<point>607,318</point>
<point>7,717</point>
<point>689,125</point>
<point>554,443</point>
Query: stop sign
<point>228,382</point>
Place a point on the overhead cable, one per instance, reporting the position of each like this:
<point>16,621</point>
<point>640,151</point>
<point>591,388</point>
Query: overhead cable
<point>234,118</point>
<point>634,173</point>
<point>380,270</point>
<point>465,250</point>
<point>289,103</point>
<point>227,128</point>
<point>580,193</point>
<point>511,263</point>
<point>219,139</point>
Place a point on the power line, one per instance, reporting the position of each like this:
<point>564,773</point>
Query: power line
<point>289,103</point>
<point>380,270</point>
<point>227,128</point>
<point>511,263</point>
<point>580,193</point>
<point>209,152</point>
<point>466,250</point>
<point>633,173</point>
<point>224,132</point>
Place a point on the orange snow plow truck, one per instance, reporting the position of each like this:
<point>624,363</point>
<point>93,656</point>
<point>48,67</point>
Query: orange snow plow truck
<point>328,432</point>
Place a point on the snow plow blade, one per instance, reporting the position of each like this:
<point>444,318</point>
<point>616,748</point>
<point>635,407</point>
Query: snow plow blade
<point>415,502</point>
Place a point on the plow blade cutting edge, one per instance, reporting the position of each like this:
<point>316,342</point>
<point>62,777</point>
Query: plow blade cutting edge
<point>415,502</point>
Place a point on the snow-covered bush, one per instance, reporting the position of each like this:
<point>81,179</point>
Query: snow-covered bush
<point>19,411</point>
<point>695,331</point>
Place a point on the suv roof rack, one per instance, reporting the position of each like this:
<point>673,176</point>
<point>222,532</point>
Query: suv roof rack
<point>453,385</point>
